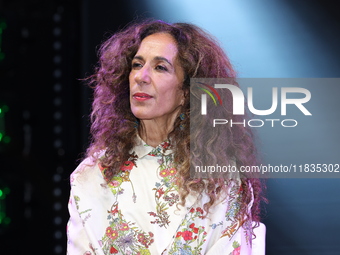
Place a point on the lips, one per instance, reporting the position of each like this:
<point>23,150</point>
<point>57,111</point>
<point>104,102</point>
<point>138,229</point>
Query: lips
<point>141,96</point>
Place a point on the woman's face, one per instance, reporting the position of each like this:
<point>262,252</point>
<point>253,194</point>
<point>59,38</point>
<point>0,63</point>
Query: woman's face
<point>156,79</point>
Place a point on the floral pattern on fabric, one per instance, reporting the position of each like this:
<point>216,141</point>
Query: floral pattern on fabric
<point>141,226</point>
<point>234,204</point>
<point>237,249</point>
<point>166,191</point>
<point>189,237</point>
<point>123,237</point>
<point>160,150</point>
<point>77,201</point>
<point>116,182</point>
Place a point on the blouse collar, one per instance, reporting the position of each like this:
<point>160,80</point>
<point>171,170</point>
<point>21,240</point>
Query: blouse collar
<point>142,149</point>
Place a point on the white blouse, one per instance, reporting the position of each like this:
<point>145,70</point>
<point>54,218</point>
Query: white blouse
<point>137,212</point>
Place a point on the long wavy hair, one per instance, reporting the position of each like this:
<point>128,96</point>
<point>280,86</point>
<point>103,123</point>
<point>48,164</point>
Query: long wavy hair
<point>114,129</point>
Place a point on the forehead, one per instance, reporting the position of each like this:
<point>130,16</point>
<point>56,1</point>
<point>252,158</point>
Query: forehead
<point>161,44</point>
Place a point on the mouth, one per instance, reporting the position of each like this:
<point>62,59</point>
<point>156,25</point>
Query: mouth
<point>141,96</point>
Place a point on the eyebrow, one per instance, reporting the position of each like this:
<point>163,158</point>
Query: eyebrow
<point>158,58</point>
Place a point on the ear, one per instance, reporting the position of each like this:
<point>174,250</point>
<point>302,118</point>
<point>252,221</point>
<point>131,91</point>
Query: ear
<point>184,95</point>
<point>182,98</point>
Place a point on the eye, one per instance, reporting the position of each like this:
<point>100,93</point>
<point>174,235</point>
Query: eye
<point>161,68</point>
<point>136,65</point>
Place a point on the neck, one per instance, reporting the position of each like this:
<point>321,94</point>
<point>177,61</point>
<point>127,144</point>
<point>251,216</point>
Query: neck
<point>154,131</point>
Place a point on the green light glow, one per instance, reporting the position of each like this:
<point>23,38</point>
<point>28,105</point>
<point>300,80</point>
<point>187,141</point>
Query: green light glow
<point>3,25</point>
<point>3,193</point>
<point>3,137</point>
<point>4,219</point>
<point>6,191</point>
<point>7,139</point>
<point>5,108</point>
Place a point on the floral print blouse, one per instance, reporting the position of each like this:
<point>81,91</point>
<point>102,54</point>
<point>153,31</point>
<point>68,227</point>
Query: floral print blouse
<point>137,212</point>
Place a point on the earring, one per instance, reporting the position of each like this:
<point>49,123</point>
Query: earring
<point>182,116</point>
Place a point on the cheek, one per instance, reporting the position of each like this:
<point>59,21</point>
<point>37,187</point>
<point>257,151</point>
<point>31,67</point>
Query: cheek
<point>178,95</point>
<point>131,79</point>
<point>174,97</point>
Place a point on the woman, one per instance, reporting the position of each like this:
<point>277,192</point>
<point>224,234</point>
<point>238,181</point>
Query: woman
<point>134,194</point>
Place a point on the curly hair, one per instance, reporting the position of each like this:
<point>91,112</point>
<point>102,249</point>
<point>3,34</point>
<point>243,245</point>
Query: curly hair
<point>113,126</point>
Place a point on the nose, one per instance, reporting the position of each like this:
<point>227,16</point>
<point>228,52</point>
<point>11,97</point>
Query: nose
<point>142,75</point>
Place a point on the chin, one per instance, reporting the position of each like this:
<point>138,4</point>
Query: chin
<point>142,116</point>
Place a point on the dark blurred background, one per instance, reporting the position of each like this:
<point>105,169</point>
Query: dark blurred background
<point>47,47</point>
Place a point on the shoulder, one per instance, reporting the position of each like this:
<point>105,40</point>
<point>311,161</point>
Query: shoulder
<point>87,171</point>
